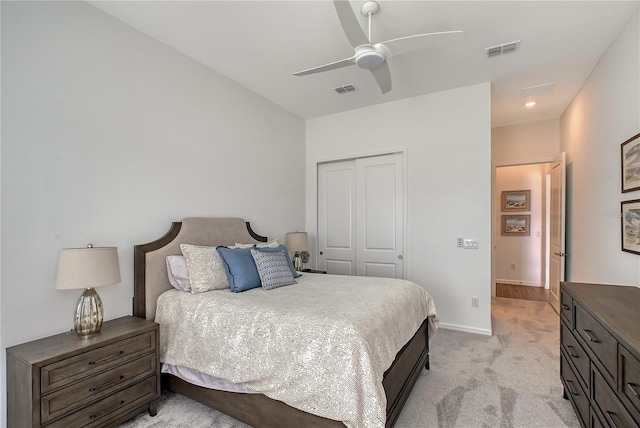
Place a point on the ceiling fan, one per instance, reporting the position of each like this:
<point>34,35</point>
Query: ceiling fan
<point>373,57</point>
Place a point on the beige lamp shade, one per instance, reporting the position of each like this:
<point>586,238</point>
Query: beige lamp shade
<point>296,241</point>
<point>88,268</point>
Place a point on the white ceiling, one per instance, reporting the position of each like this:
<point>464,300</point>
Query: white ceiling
<point>259,44</point>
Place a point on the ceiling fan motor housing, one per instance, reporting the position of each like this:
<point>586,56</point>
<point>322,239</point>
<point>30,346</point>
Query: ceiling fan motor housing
<point>369,58</point>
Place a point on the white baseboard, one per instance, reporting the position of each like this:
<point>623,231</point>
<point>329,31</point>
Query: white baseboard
<point>511,282</point>
<point>465,328</point>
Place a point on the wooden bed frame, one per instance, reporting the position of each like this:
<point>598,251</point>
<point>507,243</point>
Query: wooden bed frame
<point>258,410</point>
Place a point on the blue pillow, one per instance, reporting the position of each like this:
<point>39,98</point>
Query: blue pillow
<point>240,268</point>
<point>279,248</point>
<point>273,268</point>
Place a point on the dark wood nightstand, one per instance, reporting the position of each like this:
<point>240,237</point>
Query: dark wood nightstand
<point>100,380</point>
<point>313,271</point>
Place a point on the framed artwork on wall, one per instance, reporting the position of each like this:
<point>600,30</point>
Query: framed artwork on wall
<point>516,200</point>
<point>630,160</point>
<point>630,226</point>
<point>516,225</point>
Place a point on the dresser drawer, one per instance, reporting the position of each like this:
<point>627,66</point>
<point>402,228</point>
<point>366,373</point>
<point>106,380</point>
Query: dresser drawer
<point>609,405</point>
<point>576,355</point>
<point>110,407</point>
<point>78,395</point>
<point>601,343</point>
<point>574,390</point>
<point>566,308</point>
<point>88,364</point>
<point>630,381</point>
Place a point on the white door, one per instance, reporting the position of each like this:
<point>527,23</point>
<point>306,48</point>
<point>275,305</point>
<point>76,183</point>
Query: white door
<point>336,221</point>
<point>379,219</point>
<point>556,226</point>
<point>360,216</point>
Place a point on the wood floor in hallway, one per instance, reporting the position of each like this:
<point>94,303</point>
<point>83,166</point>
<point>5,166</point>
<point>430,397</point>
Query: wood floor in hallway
<point>522,292</point>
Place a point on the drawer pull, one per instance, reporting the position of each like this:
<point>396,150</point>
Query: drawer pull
<point>573,354</point>
<point>570,387</point>
<point>106,385</point>
<point>109,410</point>
<point>590,336</point>
<point>106,359</point>
<point>611,415</point>
<point>634,389</point>
<point>566,307</point>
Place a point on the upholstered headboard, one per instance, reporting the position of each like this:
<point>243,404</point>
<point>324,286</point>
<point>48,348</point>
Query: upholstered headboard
<point>150,268</point>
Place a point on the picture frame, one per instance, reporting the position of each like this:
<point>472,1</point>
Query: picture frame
<point>630,164</point>
<point>630,226</point>
<point>516,200</point>
<point>516,225</point>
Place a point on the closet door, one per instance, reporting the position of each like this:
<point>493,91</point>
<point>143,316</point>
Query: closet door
<point>360,217</point>
<point>379,216</point>
<point>336,221</point>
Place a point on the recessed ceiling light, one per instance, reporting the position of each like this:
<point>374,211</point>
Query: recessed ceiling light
<point>530,104</point>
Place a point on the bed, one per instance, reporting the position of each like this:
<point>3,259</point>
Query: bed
<point>152,288</point>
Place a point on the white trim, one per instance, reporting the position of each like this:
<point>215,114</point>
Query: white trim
<point>466,329</point>
<point>525,283</point>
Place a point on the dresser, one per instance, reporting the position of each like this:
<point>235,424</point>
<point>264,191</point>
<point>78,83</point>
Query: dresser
<point>600,353</point>
<point>96,381</point>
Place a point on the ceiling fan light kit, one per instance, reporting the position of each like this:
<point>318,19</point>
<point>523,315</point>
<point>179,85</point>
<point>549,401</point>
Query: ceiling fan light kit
<point>373,57</point>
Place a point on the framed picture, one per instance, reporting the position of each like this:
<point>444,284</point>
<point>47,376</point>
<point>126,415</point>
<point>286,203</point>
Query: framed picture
<point>630,226</point>
<point>516,200</point>
<point>516,225</point>
<point>630,157</point>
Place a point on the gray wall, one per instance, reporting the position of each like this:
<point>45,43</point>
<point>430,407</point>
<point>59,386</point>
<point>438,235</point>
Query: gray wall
<point>108,136</point>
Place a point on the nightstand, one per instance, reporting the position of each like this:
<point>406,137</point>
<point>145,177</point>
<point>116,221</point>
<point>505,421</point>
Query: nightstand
<point>313,271</point>
<point>100,380</point>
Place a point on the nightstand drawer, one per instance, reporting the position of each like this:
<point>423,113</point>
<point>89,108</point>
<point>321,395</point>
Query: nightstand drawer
<point>64,372</point>
<point>110,407</point>
<point>630,381</point>
<point>93,388</point>
<point>609,405</point>
<point>601,343</point>
<point>576,355</point>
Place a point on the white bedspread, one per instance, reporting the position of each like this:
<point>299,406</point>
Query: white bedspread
<point>321,345</point>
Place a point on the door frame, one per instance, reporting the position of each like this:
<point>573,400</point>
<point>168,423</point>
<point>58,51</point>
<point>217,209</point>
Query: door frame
<point>312,200</point>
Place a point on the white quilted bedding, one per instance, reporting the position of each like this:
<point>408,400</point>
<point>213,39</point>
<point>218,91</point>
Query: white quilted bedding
<point>321,345</point>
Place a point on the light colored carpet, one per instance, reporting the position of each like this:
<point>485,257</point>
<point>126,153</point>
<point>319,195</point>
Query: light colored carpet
<point>511,379</point>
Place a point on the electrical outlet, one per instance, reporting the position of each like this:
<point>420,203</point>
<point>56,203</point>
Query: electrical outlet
<point>460,241</point>
<point>475,302</point>
<point>471,244</point>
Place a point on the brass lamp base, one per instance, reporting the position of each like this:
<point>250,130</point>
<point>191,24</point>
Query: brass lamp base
<point>89,313</point>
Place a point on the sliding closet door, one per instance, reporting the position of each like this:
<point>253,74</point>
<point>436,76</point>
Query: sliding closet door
<point>379,216</point>
<point>360,217</point>
<point>336,204</point>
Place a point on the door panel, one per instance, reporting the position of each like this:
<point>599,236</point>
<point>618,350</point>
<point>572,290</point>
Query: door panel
<point>557,241</point>
<point>336,233</point>
<point>379,202</point>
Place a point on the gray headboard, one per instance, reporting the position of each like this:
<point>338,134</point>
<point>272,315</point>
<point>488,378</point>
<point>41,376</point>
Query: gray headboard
<point>150,268</point>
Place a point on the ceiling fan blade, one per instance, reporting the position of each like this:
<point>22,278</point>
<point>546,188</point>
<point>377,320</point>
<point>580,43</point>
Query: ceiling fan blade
<point>422,41</point>
<point>383,77</point>
<point>350,24</point>
<point>331,66</point>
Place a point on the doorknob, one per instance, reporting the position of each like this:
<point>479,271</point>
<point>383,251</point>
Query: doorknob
<point>400,257</point>
<point>321,253</point>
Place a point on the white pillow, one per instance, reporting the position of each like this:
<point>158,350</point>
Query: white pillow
<point>177,272</point>
<point>205,267</point>
<point>271,244</point>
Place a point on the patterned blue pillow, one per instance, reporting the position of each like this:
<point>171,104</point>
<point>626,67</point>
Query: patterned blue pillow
<point>273,268</point>
<point>240,268</point>
<point>277,249</point>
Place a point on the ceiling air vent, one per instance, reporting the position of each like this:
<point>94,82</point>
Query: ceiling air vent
<point>345,89</point>
<point>502,49</point>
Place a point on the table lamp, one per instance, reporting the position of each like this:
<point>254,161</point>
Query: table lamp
<point>297,242</point>
<point>88,268</point>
